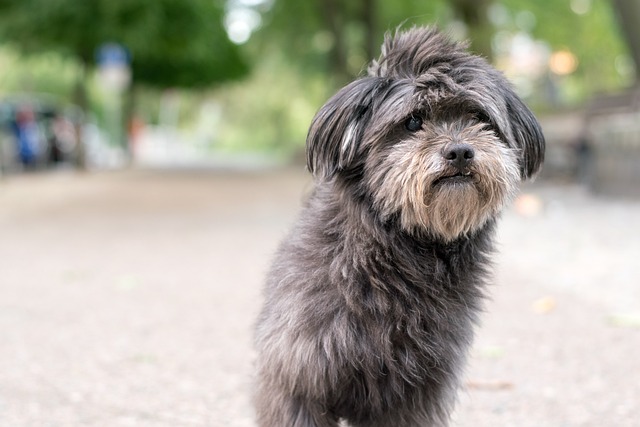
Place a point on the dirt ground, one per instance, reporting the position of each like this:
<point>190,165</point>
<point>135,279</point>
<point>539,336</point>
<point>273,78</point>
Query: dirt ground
<point>127,299</point>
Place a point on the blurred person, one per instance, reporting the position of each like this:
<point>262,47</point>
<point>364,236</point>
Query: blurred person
<point>584,154</point>
<point>63,139</point>
<point>27,136</point>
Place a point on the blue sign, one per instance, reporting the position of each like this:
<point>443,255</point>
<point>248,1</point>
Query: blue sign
<point>112,54</point>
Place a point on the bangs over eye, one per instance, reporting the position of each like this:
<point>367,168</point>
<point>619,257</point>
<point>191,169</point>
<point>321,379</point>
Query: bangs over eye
<point>482,117</point>
<point>488,124</point>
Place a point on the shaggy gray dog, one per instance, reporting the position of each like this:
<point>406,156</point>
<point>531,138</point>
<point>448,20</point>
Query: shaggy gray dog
<point>371,300</point>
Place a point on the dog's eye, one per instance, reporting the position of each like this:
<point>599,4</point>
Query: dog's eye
<point>413,123</point>
<point>481,116</point>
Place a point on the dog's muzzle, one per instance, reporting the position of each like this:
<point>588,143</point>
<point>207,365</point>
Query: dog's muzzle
<point>460,156</point>
<point>459,159</point>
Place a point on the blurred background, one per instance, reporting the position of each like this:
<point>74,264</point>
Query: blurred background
<point>110,84</point>
<point>152,156</point>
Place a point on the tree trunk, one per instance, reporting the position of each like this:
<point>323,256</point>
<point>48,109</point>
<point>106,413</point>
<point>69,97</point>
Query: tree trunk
<point>474,14</point>
<point>369,20</point>
<point>338,55</point>
<point>128,116</point>
<point>628,14</point>
<point>81,100</point>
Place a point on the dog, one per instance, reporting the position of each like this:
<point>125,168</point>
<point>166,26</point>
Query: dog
<point>371,300</point>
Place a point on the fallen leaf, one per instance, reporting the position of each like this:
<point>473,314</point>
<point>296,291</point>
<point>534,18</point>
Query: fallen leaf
<point>127,282</point>
<point>491,352</point>
<point>624,320</point>
<point>544,305</point>
<point>528,205</point>
<point>490,385</point>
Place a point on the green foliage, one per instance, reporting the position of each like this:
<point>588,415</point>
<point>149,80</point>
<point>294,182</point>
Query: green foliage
<point>272,110</point>
<point>49,72</point>
<point>294,74</point>
<point>298,37</point>
<point>175,43</point>
<point>304,29</point>
<point>302,52</point>
<point>593,36</point>
<point>172,42</point>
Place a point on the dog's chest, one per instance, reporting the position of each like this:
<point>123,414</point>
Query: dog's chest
<point>409,337</point>
<point>409,300</point>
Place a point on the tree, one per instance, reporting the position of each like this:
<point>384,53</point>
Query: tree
<point>628,14</point>
<point>474,13</point>
<point>353,29</point>
<point>338,36</point>
<point>173,43</point>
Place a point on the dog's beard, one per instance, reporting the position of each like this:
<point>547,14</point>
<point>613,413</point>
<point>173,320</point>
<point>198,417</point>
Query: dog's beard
<point>414,183</point>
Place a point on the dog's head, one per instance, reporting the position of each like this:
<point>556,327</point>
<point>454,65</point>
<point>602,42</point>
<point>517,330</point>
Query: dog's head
<point>433,137</point>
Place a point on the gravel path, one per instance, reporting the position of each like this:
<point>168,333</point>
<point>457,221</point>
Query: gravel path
<point>127,299</point>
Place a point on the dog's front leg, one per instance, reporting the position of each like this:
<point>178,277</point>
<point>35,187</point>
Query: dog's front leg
<point>275,410</point>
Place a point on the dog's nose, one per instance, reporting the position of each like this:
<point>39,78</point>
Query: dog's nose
<point>459,155</point>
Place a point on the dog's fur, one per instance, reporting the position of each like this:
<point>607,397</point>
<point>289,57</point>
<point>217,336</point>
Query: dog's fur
<point>371,300</point>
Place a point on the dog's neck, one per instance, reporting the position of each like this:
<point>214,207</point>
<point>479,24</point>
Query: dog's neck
<point>350,212</point>
<point>347,231</point>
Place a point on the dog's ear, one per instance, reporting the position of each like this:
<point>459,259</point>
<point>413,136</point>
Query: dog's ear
<point>527,135</point>
<point>335,137</point>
